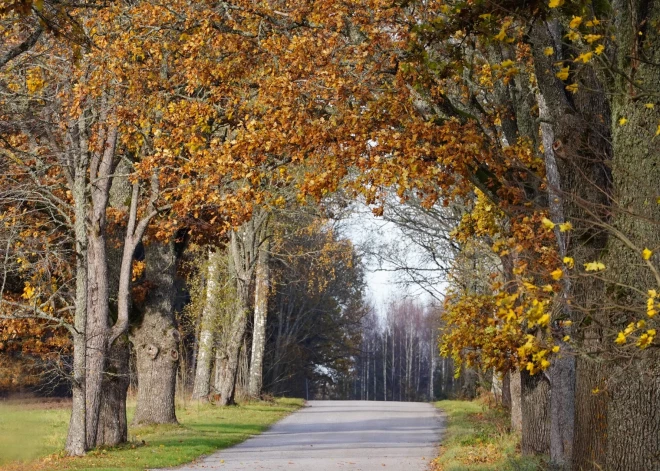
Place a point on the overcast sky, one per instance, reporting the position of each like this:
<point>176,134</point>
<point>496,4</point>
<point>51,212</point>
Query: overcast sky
<point>362,227</point>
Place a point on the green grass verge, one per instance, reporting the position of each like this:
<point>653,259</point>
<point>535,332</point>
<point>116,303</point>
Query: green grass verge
<point>478,438</point>
<point>32,438</point>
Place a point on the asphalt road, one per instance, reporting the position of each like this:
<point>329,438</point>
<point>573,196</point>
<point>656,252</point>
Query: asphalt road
<point>339,435</point>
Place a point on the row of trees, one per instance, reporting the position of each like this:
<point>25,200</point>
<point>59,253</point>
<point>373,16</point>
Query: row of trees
<point>398,359</point>
<point>526,132</point>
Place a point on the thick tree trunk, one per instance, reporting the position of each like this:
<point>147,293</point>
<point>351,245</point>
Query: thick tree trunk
<point>76,441</point>
<point>590,414</point>
<point>535,392</point>
<point>231,350</point>
<point>208,329</point>
<point>259,328</point>
<point>580,140</point>
<point>112,428</point>
<point>97,332</point>
<point>156,340</point>
<point>633,430</point>
<point>244,251</point>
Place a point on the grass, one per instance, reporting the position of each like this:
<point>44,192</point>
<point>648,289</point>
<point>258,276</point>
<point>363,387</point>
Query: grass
<point>32,438</point>
<point>478,438</point>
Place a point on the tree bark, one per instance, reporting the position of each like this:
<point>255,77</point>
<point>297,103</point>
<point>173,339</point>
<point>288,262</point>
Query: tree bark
<point>76,441</point>
<point>97,332</point>
<point>515,388</point>
<point>578,179</point>
<point>156,340</point>
<point>535,392</point>
<point>229,357</point>
<point>244,249</point>
<point>208,329</point>
<point>112,428</point>
<point>633,430</point>
<point>259,328</point>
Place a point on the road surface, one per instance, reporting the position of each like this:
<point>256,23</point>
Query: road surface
<point>338,435</point>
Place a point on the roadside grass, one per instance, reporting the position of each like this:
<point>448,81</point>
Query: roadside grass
<point>478,438</point>
<point>32,438</point>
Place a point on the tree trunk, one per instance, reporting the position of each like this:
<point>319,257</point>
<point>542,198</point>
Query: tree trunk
<point>506,390</point>
<point>232,349</point>
<point>633,430</point>
<point>580,140</point>
<point>156,340</point>
<point>244,249</point>
<point>385,366</point>
<point>432,371</point>
<point>515,388</point>
<point>535,392</point>
<point>260,313</point>
<point>76,441</point>
<point>112,428</point>
<point>208,329</point>
<point>590,415</point>
<point>97,331</point>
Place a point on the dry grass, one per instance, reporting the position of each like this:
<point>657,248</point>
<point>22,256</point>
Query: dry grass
<point>478,438</point>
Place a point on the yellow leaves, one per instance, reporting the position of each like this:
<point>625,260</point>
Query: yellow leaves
<point>599,49</point>
<point>573,35</point>
<point>575,23</point>
<point>529,286</point>
<point>649,106</point>
<point>646,254</point>
<point>563,73</point>
<point>591,23</point>
<point>137,269</point>
<point>555,349</point>
<point>547,223</point>
<point>650,304</point>
<point>548,288</point>
<point>507,63</point>
<point>623,121</point>
<point>34,81</point>
<point>585,57</point>
<point>590,38</point>
<point>569,262</point>
<point>621,338</point>
<point>594,266</point>
<point>646,339</point>
<point>630,329</point>
<point>565,227</point>
<point>557,274</point>
<point>573,88</point>
<point>28,291</point>
<point>555,3</point>
<point>548,51</point>
<point>501,36</point>
<point>657,131</point>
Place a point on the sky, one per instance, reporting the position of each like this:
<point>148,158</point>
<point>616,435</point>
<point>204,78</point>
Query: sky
<point>363,228</point>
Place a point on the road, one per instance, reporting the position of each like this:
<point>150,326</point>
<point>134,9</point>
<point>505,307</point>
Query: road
<point>338,435</point>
